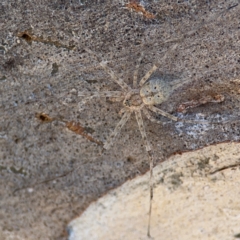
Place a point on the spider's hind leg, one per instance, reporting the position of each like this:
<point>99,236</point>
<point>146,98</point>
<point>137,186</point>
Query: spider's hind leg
<point>163,113</point>
<point>150,157</point>
<point>151,118</point>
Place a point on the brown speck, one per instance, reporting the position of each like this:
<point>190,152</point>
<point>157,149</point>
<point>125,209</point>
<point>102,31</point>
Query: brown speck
<point>54,69</point>
<point>44,118</point>
<point>26,36</point>
<point>130,159</point>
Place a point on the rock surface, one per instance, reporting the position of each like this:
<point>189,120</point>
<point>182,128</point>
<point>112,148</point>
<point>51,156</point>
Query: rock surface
<point>50,173</point>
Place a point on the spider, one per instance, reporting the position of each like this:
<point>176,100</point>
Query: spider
<point>138,99</point>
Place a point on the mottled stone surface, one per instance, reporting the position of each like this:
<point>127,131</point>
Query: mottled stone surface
<point>49,174</point>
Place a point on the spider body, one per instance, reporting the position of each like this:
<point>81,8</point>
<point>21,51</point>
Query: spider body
<point>133,100</point>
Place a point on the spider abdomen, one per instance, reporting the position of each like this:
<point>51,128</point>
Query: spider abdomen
<point>155,91</point>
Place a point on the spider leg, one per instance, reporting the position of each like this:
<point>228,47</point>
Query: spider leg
<point>161,112</point>
<point>114,94</point>
<point>135,75</point>
<point>199,121</point>
<point>116,79</point>
<point>90,95</point>
<point>116,99</point>
<point>154,68</point>
<point>176,119</point>
<point>147,75</point>
<point>117,129</point>
<point>150,157</point>
<point>123,110</point>
<point>151,118</point>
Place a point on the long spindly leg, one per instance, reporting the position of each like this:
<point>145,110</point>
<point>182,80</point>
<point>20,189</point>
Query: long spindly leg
<point>161,112</point>
<point>147,75</point>
<point>154,68</point>
<point>151,118</point>
<point>116,79</point>
<point>114,94</point>
<point>117,129</point>
<point>165,114</point>
<point>150,156</point>
<point>90,95</point>
<point>172,49</point>
<point>135,75</point>
<point>201,122</point>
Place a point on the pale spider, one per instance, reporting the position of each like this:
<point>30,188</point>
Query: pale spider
<point>137,99</point>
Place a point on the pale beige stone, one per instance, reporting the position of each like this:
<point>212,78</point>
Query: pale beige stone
<point>191,201</point>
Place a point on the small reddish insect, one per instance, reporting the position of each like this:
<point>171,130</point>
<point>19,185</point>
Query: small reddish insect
<point>78,129</point>
<point>72,126</point>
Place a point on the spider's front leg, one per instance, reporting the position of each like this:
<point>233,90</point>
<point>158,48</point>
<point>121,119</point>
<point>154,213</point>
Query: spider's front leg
<point>117,130</point>
<point>90,95</point>
<point>114,77</point>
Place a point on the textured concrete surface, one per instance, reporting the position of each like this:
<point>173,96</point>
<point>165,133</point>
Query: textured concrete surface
<point>195,197</point>
<point>49,174</point>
